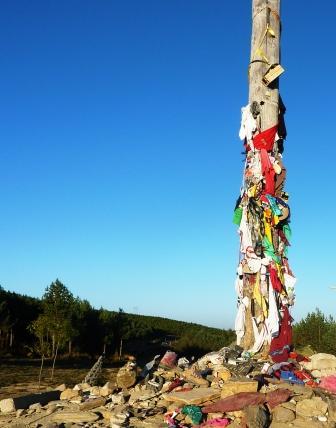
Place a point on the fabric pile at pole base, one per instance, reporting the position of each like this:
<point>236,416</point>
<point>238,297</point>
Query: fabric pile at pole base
<point>265,284</point>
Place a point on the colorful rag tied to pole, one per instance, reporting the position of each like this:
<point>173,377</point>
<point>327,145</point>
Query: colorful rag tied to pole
<point>266,284</point>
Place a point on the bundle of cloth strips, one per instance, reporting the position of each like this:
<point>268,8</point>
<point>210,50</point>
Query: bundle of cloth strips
<point>265,283</point>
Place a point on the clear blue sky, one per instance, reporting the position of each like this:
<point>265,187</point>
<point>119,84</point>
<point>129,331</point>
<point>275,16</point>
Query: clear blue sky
<point>120,159</point>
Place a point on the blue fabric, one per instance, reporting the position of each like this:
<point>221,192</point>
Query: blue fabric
<point>273,203</point>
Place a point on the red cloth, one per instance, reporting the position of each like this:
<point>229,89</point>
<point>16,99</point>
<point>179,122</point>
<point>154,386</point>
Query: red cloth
<point>265,139</point>
<point>235,402</point>
<point>268,172</point>
<point>280,346</point>
<point>276,283</point>
<point>175,384</point>
<point>243,399</point>
<point>279,396</point>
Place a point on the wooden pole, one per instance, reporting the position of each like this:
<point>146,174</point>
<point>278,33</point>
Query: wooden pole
<point>263,249</point>
<point>265,48</point>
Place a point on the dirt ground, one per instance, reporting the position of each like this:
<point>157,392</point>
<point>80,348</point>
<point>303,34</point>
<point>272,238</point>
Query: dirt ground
<point>21,377</point>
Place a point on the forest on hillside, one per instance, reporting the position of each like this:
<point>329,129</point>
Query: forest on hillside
<point>64,325</point>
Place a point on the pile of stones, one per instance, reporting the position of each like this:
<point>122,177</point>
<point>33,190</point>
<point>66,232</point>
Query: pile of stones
<point>215,391</point>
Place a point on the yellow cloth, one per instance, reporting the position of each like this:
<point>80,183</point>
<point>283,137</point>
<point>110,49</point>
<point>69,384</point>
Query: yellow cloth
<point>267,224</point>
<point>259,298</point>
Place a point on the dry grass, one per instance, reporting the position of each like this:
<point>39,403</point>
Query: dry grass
<point>22,378</point>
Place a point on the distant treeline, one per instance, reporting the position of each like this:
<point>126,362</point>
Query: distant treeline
<point>60,323</point>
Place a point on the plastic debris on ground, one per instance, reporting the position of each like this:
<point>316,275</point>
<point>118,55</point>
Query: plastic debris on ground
<point>194,412</point>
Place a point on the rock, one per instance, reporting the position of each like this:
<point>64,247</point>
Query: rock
<point>237,423</point>
<point>69,394</point>
<point>300,392</point>
<point>215,416</point>
<point>332,409</point>
<point>9,405</point>
<point>169,374</point>
<point>289,405</point>
<point>238,385</point>
<point>320,361</point>
<point>92,403</point>
<point>322,418</point>
<point>282,414</point>
<point>195,396</point>
<point>137,396</point>
<point>82,387</point>
<point>321,365</point>
<point>257,417</point>
<point>20,412</point>
<point>306,423</point>
<point>324,372</point>
<point>36,407</point>
<point>119,420</point>
<point>106,413</point>
<point>108,389</point>
<point>74,417</point>
<point>127,376</point>
<point>222,373</point>
<point>311,407</point>
<point>119,398</point>
<point>279,425</point>
<point>61,387</point>
<point>191,376</point>
<point>149,422</point>
<point>95,391</point>
<point>51,409</point>
<point>237,414</point>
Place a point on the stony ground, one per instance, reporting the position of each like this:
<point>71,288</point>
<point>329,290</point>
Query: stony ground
<point>213,392</point>
<point>22,378</point>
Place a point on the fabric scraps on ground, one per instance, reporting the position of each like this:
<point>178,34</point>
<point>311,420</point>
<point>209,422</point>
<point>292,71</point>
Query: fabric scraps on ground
<point>217,422</point>
<point>169,359</point>
<point>194,412</point>
<point>329,383</point>
<point>243,399</point>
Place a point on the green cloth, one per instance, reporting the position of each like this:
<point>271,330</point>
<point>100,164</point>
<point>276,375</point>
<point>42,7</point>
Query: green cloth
<point>287,231</point>
<point>194,412</point>
<point>237,215</point>
<point>269,250</point>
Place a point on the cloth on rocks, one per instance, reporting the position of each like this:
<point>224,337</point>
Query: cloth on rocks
<point>329,383</point>
<point>217,422</point>
<point>169,359</point>
<point>243,399</point>
<point>194,412</point>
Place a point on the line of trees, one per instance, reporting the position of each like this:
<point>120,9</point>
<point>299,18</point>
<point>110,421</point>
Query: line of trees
<point>317,331</point>
<point>60,323</point>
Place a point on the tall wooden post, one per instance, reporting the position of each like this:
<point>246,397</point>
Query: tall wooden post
<point>265,283</point>
<point>265,50</point>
